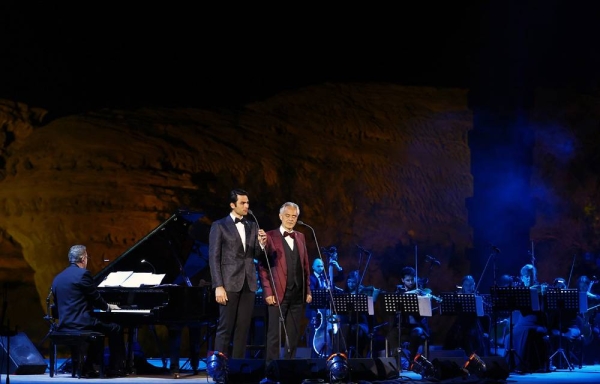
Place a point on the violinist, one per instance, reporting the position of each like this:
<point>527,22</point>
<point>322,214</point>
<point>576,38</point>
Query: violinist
<point>412,325</point>
<point>529,343</point>
<point>352,323</point>
<point>467,332</point>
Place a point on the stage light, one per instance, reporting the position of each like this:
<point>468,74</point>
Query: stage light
<point>423,367</point>
<point>337,367</point>
<point>216,367</point>
<point>475,365</point>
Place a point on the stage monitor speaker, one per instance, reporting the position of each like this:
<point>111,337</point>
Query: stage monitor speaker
<point>387,368</point>
<point>295,371</point>
<point>381,368</point>
<point>23,357</point>
<point>496,368</point>
<point>245,370</point>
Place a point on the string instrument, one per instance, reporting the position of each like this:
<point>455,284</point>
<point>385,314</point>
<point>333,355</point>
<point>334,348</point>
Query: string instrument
<point>328,326</point>
<point>328,323</point>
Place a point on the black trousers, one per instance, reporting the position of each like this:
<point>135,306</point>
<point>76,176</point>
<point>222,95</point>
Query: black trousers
<point>234,320</point>
<point>292,311</point>
<point>116,345</point>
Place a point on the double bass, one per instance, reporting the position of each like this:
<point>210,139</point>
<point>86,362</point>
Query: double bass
<point>327,323</point>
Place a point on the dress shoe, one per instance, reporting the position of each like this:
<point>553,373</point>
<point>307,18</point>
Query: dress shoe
<point>91,374</point>
<point>115,373</point>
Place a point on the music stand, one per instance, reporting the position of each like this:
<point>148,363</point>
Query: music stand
<point>461,303</point>
<point>320,299</point>
<point>511,299</point>
<point>399,303</point>
<point>560,300</point>
<point>353,304</point>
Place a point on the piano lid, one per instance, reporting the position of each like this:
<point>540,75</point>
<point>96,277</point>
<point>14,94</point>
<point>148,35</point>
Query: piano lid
<point>178,248</point>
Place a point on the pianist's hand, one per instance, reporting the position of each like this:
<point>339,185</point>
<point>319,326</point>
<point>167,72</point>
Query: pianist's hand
<point>113,307</point>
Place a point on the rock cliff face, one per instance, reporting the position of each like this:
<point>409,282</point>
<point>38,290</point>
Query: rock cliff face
<point>383,166</point>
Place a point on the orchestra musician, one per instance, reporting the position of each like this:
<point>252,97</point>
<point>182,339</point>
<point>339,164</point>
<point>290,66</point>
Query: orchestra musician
<point>564,325</point>
<point>412,324</point>
<point>467,332</point>
<point>590,325</point>
<point>530,347</point>
<point>351,323</point>
<point>319,280</point>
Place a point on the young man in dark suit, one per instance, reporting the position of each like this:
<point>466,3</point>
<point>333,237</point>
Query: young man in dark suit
<point>286,281</point>
<point>234,243</point>
<point>75,296</point>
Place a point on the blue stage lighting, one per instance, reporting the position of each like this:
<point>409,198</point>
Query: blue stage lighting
<point>216,367</point>
<point>337,367</point>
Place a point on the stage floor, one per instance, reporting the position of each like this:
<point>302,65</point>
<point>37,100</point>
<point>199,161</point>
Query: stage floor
<point>587,374</point>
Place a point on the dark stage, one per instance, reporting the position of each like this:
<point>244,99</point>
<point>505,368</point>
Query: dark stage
<point>587,374</point>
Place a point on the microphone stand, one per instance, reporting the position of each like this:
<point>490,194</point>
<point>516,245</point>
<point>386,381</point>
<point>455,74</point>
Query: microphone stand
<point>492,256</point>
<point>369,254</point>
<point>281,319</point>
<point>334,316</point>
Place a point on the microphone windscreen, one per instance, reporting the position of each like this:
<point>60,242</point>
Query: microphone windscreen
<point>250,211</point>
<point>300,222</point>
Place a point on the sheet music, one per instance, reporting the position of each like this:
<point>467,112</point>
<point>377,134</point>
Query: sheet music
<point>130,279</point>
<point>138,279</point>
<point>115,279</point>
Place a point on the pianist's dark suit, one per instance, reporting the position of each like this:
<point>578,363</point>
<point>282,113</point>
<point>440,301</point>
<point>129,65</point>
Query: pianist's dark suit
<point>75,296</point>
<point>234,269</point>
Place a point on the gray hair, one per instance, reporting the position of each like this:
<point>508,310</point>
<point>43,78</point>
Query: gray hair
<point>289,204</point>
<point>76,253</point>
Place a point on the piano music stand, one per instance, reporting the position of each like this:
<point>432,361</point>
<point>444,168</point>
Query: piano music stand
<point>511,299</point>
<point>562,300</point>
<point>353,304</point>
<point>397,304</point>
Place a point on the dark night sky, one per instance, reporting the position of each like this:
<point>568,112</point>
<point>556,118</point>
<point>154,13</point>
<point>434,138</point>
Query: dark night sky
<point>72,59</point>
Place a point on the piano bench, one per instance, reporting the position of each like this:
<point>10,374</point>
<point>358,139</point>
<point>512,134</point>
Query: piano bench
<point>77,340</point>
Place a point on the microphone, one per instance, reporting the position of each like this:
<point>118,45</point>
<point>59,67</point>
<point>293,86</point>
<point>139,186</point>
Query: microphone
<point>144,261</point>
<point>254,217</point>
<point>495,249</point>
<point>432,260</point>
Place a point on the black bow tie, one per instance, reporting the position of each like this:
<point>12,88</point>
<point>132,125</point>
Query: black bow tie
<point>290,234</point>
<point>242,220</point>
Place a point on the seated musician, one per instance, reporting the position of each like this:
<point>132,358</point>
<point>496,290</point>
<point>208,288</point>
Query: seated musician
<point>75,296</point>
<point>530,348</point>
<point>413,326</point>
<point>467,332</point>
<point>318,280</point>
<point>351,323</point>
<point>563,323</point>
<point>590,322</point>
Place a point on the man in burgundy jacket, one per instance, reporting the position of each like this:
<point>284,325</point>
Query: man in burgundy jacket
<point>286,282</point>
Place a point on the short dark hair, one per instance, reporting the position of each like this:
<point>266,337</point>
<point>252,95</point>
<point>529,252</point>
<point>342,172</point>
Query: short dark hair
<point>233,195</point>
<point>408,271</point>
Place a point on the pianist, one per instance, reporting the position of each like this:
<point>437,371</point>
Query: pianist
<point>75,296</point>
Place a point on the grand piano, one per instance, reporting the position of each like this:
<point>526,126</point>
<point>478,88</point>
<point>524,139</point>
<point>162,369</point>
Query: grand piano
<point>177,248</point>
